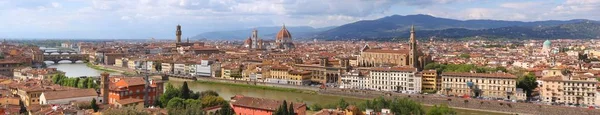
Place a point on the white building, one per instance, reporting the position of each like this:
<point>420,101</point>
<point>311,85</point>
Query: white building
<point>399,79</point>
<point>355,80</point>
<point>179,68</point>
<point>203,69</point>
<point>68,96</point>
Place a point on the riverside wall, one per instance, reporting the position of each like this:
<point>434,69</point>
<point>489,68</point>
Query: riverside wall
<point>483,105</point>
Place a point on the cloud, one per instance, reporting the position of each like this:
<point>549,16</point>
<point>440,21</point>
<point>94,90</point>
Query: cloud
<point>124,18</point>
<point>520,5</point>
<point>56,5</point>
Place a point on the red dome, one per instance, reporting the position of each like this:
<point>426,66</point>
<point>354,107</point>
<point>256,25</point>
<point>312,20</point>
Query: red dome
<point>283,33</point>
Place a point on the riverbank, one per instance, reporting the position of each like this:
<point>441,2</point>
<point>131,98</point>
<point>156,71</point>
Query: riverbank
<point>96,67</point>
<point>273,88</point>
<point>297,94</point>
<point>111,70</point>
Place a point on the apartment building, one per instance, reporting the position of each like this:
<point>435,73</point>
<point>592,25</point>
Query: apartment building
<point>493,85</point>
<point>431,80</point>
<point>569,90</point>
<point>399,79</point>
<point>355,79</point>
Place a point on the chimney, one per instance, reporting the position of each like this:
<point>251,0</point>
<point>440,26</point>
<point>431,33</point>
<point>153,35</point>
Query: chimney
<point>104,82</point>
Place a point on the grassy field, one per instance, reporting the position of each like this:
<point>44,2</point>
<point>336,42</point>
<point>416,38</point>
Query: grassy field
<point>259,87</point>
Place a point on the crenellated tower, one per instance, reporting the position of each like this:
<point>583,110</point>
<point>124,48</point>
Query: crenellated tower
<point>178,33</point>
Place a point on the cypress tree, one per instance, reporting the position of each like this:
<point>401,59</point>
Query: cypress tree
<point>23,109</point>
<point>284,108</point>
<point>291,109</point>
<point>94,105</point>
<point>185,91</point>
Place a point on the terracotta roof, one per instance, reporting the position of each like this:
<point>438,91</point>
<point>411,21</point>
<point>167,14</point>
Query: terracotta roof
<point>283,33</point>
<point>260,103</point>
<point>492,75</point>
<point>74,93</point>
<point>330,112</point>
<point>400,51</point>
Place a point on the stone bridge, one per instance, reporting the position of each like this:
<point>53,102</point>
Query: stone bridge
<point>60,57</point>
<point>59,51</point>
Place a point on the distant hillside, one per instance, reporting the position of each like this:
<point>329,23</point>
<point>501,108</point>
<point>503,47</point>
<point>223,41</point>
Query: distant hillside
<point>580,30</point>
<point>263,32</point>
<point>398,26</point>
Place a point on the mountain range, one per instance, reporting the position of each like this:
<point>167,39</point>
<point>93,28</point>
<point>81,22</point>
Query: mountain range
<point>263,32</point>
<point>397,26</point>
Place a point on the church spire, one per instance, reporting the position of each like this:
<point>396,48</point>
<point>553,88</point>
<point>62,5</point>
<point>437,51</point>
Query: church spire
<point>412,34</point>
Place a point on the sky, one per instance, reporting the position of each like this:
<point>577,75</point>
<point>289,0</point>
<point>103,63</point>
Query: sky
<point>144,19</point>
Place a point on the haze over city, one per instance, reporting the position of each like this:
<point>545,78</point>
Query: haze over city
<point>133,19</point>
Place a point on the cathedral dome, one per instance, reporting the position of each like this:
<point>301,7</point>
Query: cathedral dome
<point>547,44</point>
<point>283,34</point>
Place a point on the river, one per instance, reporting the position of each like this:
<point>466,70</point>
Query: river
<point>226,91</point>
<point>76,69</point>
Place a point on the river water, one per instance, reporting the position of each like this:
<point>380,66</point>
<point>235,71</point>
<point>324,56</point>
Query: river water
<point>77,69</point>
<point>226,91</point>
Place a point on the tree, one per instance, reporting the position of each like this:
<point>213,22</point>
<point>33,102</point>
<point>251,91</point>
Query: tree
<point>94,105</point>
<point>291,109</point>
<point>465,55</point>
<point>342,103</point>
<point>527,83</point>
<point>284,108</point>
<point>193,104</point>
<point>208,93</point>
<point>441,110</point>
<point>210,101</point>
<point>315,107</point>
<point>23,109</point>
<point>406,106</point>
<point>157,65</point>
<point>176,103</point>
<point>185,91</point>
<point>226,110</point>
<point>170,93</point>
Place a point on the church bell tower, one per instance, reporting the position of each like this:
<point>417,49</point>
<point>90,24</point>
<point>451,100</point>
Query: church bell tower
<point>413,55</point>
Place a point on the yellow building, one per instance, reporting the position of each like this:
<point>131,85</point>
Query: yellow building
<point>431,81</point>
<point>496,85</point>
<point>569,90</point>
<point>326,71</point>
<point>283,75</point>
<point>232,71</point>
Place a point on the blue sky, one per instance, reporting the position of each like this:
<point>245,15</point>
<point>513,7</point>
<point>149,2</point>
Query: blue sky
<point>139,19</point>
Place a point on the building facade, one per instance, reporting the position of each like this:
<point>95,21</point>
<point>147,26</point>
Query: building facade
<point>120,88</point>
<point>355,80</point>
<point>397,79</point>
<point>495,85</point>
<point>569,90</point>
<point>431,80</point>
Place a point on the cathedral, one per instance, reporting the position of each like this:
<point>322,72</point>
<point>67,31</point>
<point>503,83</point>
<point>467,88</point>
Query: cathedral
<point>413,57</point>
<point>283,40</point>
